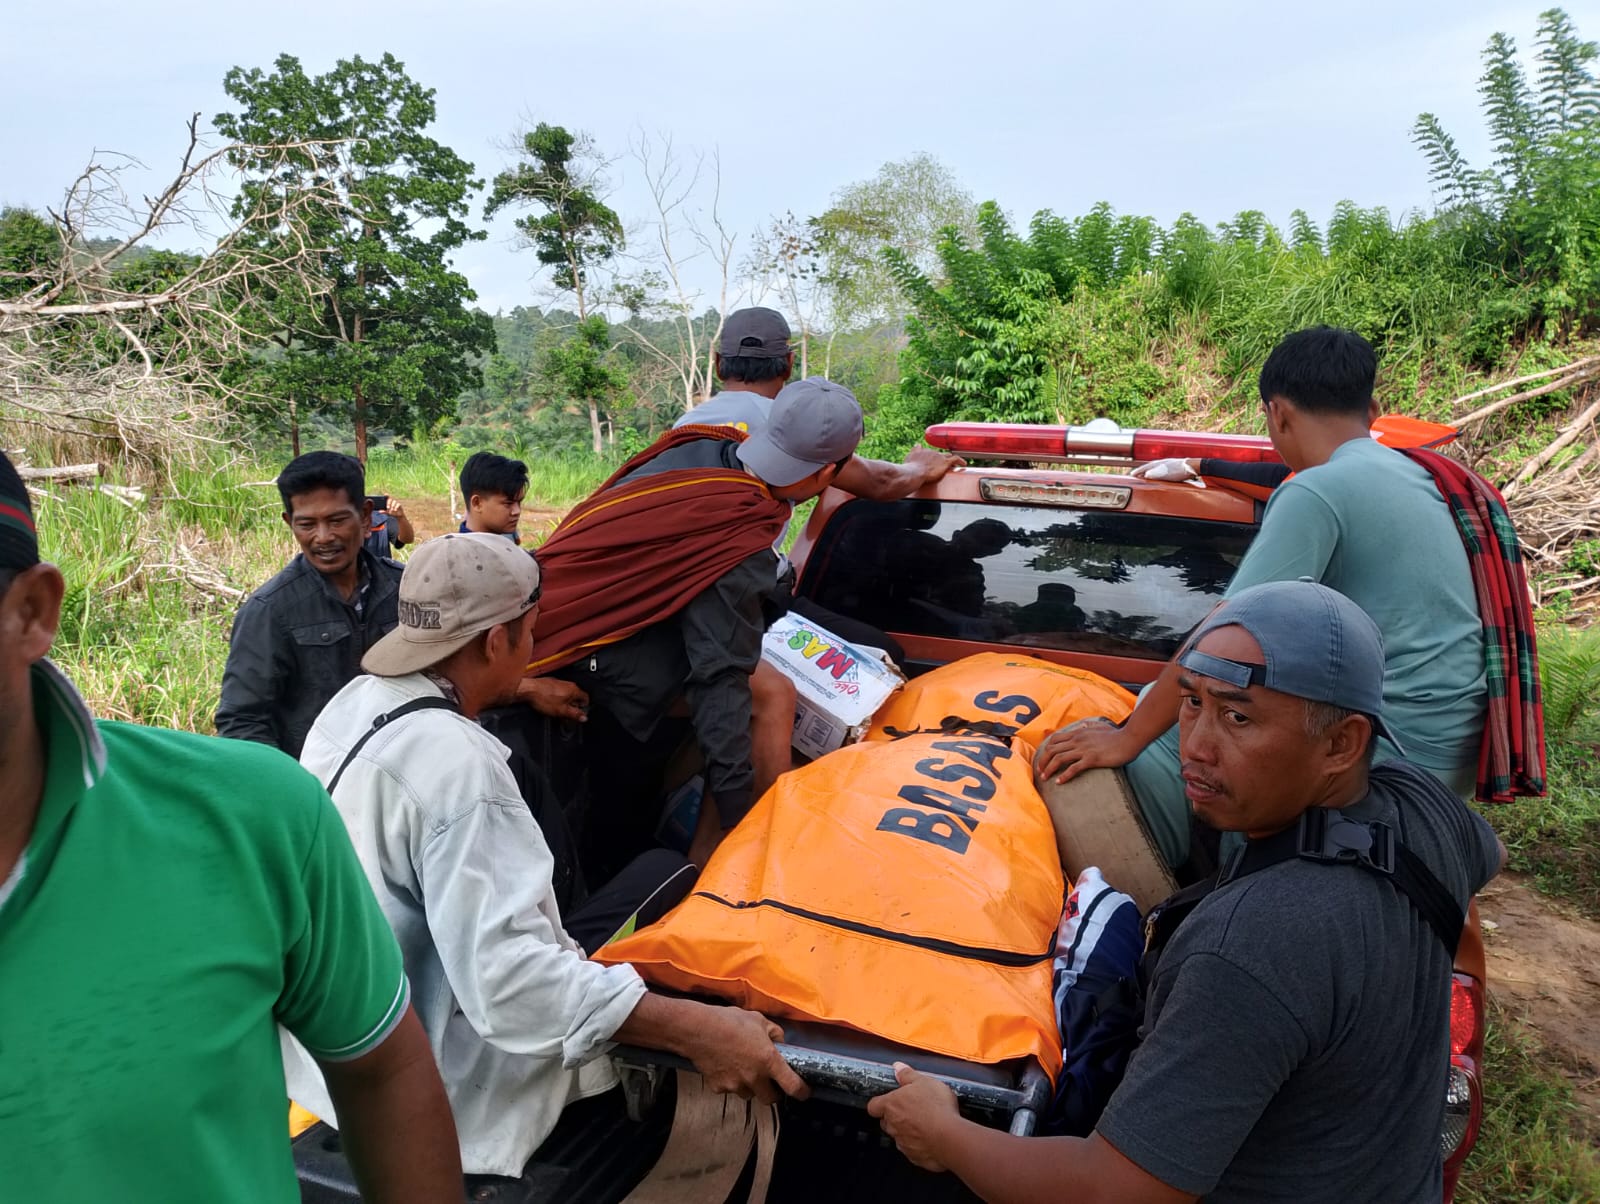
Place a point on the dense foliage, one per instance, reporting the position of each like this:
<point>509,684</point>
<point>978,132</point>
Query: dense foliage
<point>1117,316</point>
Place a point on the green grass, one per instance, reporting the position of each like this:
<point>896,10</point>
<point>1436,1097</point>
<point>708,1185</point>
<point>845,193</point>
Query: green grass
<point>141,637</point>
<point>428,469</point>
<point>1534,1145</point>
<point>1556,840</point>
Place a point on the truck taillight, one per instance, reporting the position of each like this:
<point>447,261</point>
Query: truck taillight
<point>1463,1093</point>
<point>1466,1017</point>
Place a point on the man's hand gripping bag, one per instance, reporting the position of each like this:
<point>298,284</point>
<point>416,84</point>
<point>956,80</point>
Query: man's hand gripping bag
<point>908,888</point>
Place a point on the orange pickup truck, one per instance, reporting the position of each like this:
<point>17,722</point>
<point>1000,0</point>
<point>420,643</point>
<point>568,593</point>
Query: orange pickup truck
<point>1079,565</point>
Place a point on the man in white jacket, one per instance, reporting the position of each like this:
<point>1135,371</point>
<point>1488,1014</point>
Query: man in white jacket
<point>518,1016</point>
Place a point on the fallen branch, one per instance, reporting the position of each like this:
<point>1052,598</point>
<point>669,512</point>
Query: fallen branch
<point>67,472</point>
<point>1568,435</point>
<point>1574,587</point>
<point>1522,380</point>
<point>121,495</point>
<point>1566,382</point>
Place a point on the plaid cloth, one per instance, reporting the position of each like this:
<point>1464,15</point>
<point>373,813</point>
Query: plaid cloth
<point>1511,763</point>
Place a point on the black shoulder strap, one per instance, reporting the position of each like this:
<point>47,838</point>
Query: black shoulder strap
<point>431,703</point>
<point>1328,837</point>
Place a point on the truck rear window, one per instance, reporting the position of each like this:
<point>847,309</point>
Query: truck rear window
<point>1097,581</point>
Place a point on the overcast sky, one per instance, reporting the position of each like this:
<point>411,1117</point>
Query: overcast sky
<point>1159,107</point>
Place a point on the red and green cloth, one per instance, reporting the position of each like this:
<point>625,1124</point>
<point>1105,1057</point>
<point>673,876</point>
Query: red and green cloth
<point>1511,762</point>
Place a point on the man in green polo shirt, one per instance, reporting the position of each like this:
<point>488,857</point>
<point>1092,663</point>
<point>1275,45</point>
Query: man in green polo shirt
<point>168,900</point>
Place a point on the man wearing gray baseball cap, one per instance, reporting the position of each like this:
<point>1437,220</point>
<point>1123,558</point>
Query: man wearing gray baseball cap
<point>753,363</point>
<point>661,587</point>
<point>1296,1031</point>
<point>517,1015</point>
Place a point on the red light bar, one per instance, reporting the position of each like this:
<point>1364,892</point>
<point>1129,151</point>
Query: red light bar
<point>1079,445</point>
<point>1084,445</point>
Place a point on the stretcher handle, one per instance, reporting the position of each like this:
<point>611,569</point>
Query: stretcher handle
<point>842,1079</point>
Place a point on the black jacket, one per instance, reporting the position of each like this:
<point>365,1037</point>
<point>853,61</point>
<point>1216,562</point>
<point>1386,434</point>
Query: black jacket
<point>295,644</point>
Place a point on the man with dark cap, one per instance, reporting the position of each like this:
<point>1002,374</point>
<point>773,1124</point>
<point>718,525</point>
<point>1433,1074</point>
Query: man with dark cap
<point>1297,1023</point>
<point>754,361</point>
<point>660,585</point>
<point>167,901</point>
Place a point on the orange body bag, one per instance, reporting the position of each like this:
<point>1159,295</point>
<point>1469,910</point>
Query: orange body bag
<point>907,888</point>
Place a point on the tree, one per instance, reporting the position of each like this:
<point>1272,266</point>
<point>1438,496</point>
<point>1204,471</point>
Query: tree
<point>29,250</point>
<point>688,226</point>
<point>576,232</point>
<point>391,342</point>
<point>1539,209</point>
<point>581,367</point>
<point>907,206</point>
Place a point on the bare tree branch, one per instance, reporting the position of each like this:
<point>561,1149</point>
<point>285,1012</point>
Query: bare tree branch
<point>153,362</point>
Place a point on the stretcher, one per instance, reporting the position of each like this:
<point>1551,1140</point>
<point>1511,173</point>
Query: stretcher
<point>842,1066</point>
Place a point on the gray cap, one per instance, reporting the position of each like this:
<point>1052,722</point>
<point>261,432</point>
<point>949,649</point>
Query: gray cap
<point>813,423</point>
<point>1317,644</point>
<point>759,332</point>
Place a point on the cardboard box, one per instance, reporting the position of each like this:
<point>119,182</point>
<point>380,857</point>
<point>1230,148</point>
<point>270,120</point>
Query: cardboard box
<point>839,686</point>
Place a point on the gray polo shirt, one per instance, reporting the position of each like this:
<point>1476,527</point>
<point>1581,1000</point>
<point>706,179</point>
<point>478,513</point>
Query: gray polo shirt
<point>1297,1035</point>
<point>750,413</point>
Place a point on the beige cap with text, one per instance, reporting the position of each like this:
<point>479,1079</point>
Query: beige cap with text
<point>453,589</point>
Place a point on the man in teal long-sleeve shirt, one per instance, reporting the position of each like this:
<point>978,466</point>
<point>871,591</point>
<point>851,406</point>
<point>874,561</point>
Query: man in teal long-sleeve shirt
<point>1357,517</point>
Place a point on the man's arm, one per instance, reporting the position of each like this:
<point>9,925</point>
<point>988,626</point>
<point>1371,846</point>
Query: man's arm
<point>485,879</point>
<point>722,629</point>
<point>1097,744</point>
<point>731,1048</point>
<point>881,481</point>
<point>923,1120</point>
<point>395,1120</point>
<point>401,531</point>
<point>253,678</point>
<point>345,998</point>
<point>490,905</point>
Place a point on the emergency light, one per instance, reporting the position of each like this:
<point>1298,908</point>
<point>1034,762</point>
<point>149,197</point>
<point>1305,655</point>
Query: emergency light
<point>1083,445</point>
<point>1110,446</point>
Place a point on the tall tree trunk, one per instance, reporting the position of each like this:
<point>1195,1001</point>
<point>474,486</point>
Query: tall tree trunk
<point>594,407</point>
<point>358,333</point>
<point>294,428</point>
<point>361,424</point>
<point>805,352</point>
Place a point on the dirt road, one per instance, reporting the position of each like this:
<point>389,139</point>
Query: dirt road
<point>431,516</point>
<point>1544,967</point>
